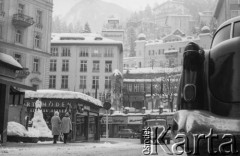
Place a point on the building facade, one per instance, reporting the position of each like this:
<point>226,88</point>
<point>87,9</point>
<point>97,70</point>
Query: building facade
<point>150,88</point>
<point>167,52</point>
<point>84,63</point>
<point>172,15</point>
<point>226,9</point>
<point>113,30</point>
<point>25,33</point>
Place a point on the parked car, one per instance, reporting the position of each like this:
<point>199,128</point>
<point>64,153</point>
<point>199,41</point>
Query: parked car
<point>208,99</point>
<point>128,133</point>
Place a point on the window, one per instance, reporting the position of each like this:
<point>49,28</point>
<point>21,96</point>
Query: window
<point>65,65</point>
<point>19,36</point>
<point>66,51</point>
<point>96,66</point>
<point>18,58</point>
<point>64,84</point>
<point>222,35</point>
<point>54,51</point>
<point>37,40</point>
<point>95,82</point>
<point>20,8</point>
<point>107,82</point>
<point>53,65</point>
<point>96,53</point>
<point>101,97</point>
<point>136,87</point>
<point>83,66</point>
<point>52,81</point>
<point>108,66</point>
<point>83,82</point>
<point>108,52</point>
<point>36,65</point>
<point>236,30</point>
<point>83,52</point>
<point>39,17</point>
<point>129,87</point>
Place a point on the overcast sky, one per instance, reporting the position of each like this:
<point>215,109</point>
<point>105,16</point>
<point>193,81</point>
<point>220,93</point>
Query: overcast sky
<point>62,6</point>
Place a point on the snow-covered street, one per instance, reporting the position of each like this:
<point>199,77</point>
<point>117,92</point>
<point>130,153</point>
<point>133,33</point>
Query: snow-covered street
<point>114,146</point>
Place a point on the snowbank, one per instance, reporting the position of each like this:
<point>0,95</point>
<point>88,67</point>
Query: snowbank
<point>16,129</point>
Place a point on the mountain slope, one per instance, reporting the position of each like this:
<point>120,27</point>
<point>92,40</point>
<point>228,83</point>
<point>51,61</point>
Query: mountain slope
<point>95,12</point>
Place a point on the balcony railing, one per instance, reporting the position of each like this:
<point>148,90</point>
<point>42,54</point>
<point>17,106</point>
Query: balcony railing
<point>22,20</point>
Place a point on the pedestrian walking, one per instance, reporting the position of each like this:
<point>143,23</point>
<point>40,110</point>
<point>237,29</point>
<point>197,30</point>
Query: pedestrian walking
<point>66,126</point>
<point>56,126</point>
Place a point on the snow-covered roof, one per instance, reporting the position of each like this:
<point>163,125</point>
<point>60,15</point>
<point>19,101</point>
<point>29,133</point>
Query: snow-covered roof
<point>9,60</point>
<point>117,72</point>
<point>60,94</point>
<point>153,70</point>
<point>82,38</point>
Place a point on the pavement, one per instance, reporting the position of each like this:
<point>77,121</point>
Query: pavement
<point>105,147</point>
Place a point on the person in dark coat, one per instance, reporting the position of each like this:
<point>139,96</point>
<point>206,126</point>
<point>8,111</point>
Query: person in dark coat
<point>56,126</point>
<point>66,126</point>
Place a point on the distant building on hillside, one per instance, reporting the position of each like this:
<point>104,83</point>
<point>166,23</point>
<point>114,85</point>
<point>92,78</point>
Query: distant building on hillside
<point>167,52</point>
<point>226,9</point>
<point>172,15</point>
<point>84,63</point>
<point>113,30</point>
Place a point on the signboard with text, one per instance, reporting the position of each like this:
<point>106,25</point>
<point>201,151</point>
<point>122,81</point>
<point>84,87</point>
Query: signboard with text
<point>135,120</point>
<point>109,120</point>
<point>119,120</point>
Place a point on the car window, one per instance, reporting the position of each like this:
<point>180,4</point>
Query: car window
<point>222,35</point>
<point>236,29</point>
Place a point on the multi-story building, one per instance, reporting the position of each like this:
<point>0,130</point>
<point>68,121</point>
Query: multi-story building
<point>172,15</point>
<point>226,9</point>
<point>150,87</point>
<point>113,30</point>
<point>25,28</point>
<point>167,52</point>
<point>84,63</point>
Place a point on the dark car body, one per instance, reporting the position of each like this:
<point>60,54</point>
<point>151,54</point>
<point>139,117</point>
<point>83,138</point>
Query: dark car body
<point>209,91</point>
<point>128,133</point>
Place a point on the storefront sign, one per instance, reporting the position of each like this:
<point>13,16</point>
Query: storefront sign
<point>49,103</point>
<point>110,120</point>
<point>119,120</point>
<point>135,120</point>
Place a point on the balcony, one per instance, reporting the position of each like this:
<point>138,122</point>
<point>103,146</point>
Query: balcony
<point>21,20</point>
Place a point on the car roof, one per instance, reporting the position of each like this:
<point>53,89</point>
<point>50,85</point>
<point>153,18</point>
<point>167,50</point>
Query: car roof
<point>235,19</point>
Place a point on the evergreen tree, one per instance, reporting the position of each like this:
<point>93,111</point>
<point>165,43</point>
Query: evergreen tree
<point>87,28</point>
<point>131,37</point>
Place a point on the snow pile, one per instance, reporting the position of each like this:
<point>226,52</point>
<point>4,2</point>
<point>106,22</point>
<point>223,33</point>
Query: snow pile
<point>60,94</point>
<point>16,129</point>
<point>39,124</point>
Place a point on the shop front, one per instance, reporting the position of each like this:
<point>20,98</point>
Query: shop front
<point>118,122</point>
<point>135,123</point>
<point>9,90</point>
<point>83,109</point>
